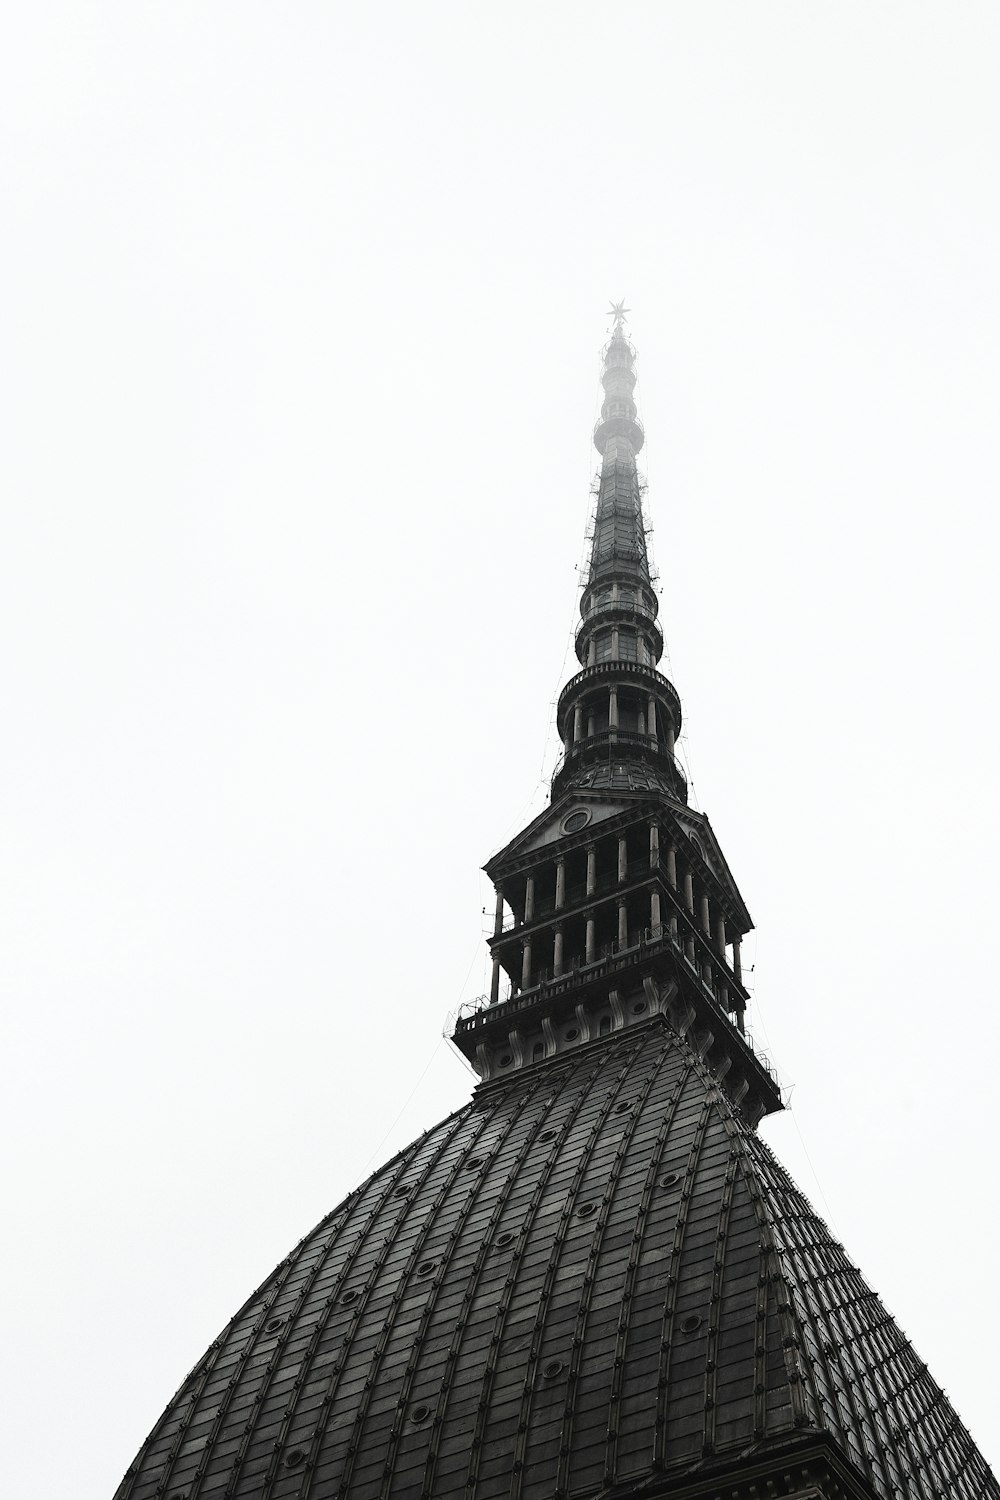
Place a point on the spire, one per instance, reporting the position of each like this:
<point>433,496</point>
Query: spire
<point>619,717</point>
<point>618,887</point>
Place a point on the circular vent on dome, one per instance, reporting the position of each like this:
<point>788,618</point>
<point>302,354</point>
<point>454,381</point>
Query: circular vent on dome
<point>691,1323</point>
<point>348,1298</point>
<point>586,1210</point>
<point>273,1324</point>
<point>638,1007</point>
<point>624,1107</point>
<point>547,1135</point>
<point>403,1191</point>
<point>571,1035</point>
<point>670,1179</point>
<point>420,1415</point>
<point>505,1239</point>
<point>506,1060</point>
<point>427,1268</point>
<point>552,1368</point>
<point>294,1458</point>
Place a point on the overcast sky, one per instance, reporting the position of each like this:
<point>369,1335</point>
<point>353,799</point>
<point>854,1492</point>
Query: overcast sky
<point>302,307</point>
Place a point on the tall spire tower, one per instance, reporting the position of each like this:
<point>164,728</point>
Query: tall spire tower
<point>594,1281</point>
<point>617,899</point>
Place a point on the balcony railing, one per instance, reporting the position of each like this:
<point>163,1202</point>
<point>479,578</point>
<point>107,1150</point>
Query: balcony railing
<point>614,956</point>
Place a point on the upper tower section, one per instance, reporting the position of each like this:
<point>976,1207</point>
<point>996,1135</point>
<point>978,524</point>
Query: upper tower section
<point>616,905</point>
<point>619,717</point>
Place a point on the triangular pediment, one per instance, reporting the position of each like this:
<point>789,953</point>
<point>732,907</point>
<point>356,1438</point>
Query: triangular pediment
<point>699,830</point>
<point>571,814</point>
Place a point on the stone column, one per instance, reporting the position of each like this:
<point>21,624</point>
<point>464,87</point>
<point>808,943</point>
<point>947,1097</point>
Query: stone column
<point>642,721</point>
<point>495,981</point>
<point>592,652</point>
<point>591,940</point>
<point>622,924</point>
<point>578,723</point>
<point>672,866</point>
<point>688,891</point>
<point>668,735</point>
<point>591,869</point>
<point>529,899</point>
<point>654,914</point>
<point>615,643</point>
<point>651,717</point>
<point>654,846</point>
<point>526,965</point>
<point>560,884</point>
<point>613,708</point>
<point>706,916</point>
<point>498,918</point>
<point>737,963</point>
<point>622,860</point>
<point>590,724</point>
<point>720,935</point>
<point>557,954</point>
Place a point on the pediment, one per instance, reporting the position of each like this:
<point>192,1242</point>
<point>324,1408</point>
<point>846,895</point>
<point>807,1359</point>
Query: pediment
<point>699,830</point>
<point>571,814</point>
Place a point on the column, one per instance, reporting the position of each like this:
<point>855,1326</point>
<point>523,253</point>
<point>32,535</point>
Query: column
<point>654,846</point>
<point>613,708</point>
<point>591,869</point>
<point>642,721</point>
<point>498,918</point>
<point>672,866</point>
<point>622,924</point>
<point>529,899</point>
<point>737,964</point>
<point>495,981</point>
<point>557,954</point>
<point>526,965</point>
<point>592,652</point>
<point>720,936</point>
<point>578,723</point>
<point>654,914</point>
<point>706,916</point>
<point>615,643</point>
<point>651,717</point>
<point>591,940</point>
<point>622,860</point>
<point>668,734</point>
<point>689,904</point>
<point>560,884</point>
<point>590,724</point>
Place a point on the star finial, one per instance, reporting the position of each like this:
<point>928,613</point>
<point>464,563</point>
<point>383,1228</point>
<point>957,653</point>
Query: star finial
<point>619,312</point>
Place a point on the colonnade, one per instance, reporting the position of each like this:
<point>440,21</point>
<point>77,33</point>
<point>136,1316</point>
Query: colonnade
<point>695,901</point>
<point>585,719</point>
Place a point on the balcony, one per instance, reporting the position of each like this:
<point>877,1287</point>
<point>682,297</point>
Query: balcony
<point>641,945</point>
<point>623,673</point>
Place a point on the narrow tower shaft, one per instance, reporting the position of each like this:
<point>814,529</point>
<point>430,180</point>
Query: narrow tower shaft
<point>617,901</point>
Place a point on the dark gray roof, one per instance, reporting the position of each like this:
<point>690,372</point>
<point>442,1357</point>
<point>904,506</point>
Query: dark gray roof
<point>592,1276</point>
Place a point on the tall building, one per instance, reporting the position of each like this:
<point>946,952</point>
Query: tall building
<point>594,1279</point>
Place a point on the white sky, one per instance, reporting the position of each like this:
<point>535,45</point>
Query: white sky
<point>301,315</point>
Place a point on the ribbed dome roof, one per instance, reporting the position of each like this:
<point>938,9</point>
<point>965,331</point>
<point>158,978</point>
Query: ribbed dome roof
<point>592,1276</point>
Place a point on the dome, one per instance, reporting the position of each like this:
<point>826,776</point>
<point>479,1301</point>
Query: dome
<point>594,1277</point>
